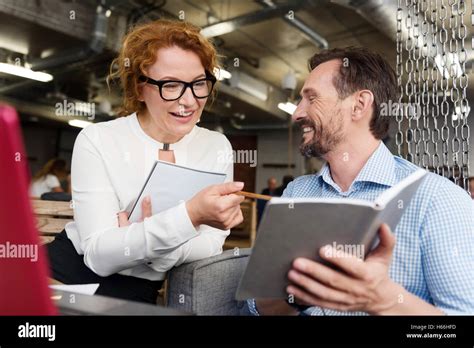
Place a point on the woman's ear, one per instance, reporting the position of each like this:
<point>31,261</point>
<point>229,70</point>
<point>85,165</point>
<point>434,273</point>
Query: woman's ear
<point>140,93</point>
<point>363,104</point>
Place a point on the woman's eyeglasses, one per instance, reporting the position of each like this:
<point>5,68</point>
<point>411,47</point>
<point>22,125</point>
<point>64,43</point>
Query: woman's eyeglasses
<point>173,89</point>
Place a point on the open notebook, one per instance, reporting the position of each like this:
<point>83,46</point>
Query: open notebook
<point>299,227</point>
<point>169,184</point>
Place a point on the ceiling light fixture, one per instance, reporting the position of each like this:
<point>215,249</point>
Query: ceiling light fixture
<point>21,71</point>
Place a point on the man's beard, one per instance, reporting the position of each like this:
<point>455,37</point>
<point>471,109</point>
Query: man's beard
<point>324,139</point>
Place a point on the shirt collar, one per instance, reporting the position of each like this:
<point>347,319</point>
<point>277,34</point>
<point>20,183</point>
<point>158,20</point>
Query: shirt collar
<point>181,144</point>
<point>379,169</point>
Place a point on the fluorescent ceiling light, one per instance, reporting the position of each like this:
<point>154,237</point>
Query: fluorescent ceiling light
<point>79,123</point>
<point>217,29</point>
<point>25,72</point>
<point>287,107</point>
<point>222,74</point>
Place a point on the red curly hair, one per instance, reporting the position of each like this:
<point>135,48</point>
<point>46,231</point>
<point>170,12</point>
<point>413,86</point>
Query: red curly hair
<point>139,49</point>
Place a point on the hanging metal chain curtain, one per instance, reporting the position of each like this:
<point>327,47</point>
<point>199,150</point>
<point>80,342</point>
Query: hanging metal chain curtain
<point>431,69</point>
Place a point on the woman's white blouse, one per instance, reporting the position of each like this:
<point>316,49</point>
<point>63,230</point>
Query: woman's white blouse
<point>110,163</point>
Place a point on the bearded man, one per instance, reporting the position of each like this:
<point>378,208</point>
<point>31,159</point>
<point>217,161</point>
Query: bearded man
<point>423,267</point>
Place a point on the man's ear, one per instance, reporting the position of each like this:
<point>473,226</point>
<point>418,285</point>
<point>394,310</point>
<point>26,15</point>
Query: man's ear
<point>363,104</point>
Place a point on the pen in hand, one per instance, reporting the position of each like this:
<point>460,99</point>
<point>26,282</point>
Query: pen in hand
<point>254,195</point>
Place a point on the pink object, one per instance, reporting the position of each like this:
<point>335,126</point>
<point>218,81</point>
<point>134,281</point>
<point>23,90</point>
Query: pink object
<point>23,265</point>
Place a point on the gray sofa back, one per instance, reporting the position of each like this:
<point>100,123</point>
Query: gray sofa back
<point>208,286</point>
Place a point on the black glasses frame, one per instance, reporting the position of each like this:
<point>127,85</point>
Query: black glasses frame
<point>160,83</point>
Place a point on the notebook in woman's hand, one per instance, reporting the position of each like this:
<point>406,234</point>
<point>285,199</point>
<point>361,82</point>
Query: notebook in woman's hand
<point>169,184</point>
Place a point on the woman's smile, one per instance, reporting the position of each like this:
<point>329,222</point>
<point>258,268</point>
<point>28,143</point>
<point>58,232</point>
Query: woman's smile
<point>183,116</point>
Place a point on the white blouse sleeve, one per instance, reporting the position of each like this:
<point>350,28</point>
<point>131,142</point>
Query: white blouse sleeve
<point>107,247</point>
<point>209,241</point>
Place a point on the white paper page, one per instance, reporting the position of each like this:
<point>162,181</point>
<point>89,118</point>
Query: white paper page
<point>170,184</point>
<point>84,289</point>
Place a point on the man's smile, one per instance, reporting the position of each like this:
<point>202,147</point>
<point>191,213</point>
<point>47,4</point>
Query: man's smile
<point>307,129</point>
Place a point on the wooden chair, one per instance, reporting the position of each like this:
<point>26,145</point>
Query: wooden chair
<point>51,217</point>
<point>243,235</point>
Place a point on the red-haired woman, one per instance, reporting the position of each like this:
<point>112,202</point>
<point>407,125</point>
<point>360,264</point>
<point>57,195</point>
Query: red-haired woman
<point>165,69</point>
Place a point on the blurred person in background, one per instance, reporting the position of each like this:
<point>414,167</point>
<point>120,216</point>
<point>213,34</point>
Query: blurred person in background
<point>270,190</point>
<point>286,180</point>
<point>48,179</point>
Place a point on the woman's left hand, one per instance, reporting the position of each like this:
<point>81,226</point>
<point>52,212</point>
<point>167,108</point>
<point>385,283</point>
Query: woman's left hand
<point>146,212</point>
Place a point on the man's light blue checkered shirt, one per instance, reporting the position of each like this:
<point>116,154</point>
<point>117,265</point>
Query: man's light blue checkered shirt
<point>434,253</point>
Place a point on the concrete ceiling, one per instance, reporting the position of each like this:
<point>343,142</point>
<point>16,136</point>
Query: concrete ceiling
<point>266,50</point>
